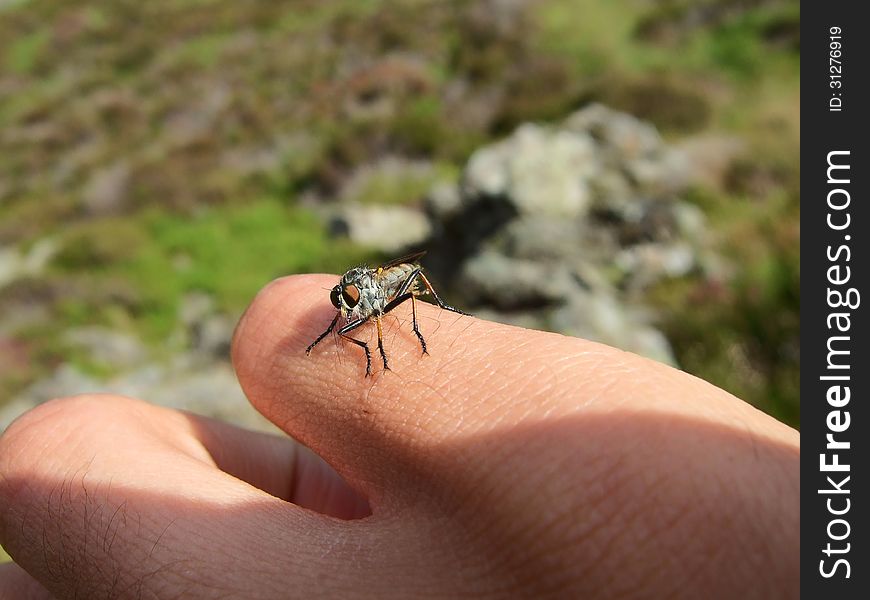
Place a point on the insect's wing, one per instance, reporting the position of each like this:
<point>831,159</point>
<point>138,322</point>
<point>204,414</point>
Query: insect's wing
<point>409,258</point>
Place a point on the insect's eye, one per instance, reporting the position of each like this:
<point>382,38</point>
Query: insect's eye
<point>333,297</point>
<point>350,295</point>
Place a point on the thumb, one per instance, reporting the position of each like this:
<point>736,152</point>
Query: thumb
<point>526,453</point>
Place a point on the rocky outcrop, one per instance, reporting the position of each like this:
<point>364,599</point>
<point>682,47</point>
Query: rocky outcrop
<point>564,227</point>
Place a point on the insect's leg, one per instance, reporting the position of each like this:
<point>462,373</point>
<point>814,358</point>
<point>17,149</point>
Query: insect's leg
<point>381,342</point>
<point>409,281</point>
<point>322,335</point>
<point>414,323</point>
<point>350,327</point>
<point>396,302</point>
<point>438,299</point>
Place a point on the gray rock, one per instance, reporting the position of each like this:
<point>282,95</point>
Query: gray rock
<point>486,173</point>
<point>599,316</point>
<point>443,201</point>
<point>619,134</point>
<point>543,238</point>
<point>565,227</point>
<point>611,190</point>
<point>634,147</point>
<point>539,170</point>
<point>690,222</point>
<point>386,228</point>
<point>549,172</point>
<point>646,264</point>
<point>510,283</point>
<point>206,332</point>
<point>665,174</point>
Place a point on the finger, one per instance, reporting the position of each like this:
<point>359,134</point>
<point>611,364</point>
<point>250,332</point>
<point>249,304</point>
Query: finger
<point>17,584</point>
<point>105,496</point>
<point>278,466</point>
<point>478,376</point>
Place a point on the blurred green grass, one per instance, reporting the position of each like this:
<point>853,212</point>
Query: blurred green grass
<point>229,253</point>
<point>216,115</point>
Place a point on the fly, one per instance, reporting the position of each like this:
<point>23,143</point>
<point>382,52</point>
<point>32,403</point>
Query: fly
<point>364,294</point>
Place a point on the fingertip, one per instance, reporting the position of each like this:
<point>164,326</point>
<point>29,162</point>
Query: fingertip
<point>277,307</point>
<point>327,397</point>
<point>278,320</point>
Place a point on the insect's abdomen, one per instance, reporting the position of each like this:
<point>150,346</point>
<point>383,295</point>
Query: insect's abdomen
<point>392,279</point>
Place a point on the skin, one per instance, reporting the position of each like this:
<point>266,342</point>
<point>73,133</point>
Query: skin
<point>508,463</point>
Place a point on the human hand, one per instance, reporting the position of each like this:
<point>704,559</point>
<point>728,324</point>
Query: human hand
<point>507,463</point>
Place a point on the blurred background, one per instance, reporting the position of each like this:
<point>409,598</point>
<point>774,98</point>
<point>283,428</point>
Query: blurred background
<point>626,171</point>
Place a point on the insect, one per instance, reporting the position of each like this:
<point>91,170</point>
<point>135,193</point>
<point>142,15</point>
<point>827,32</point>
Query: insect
<point>365,294</point>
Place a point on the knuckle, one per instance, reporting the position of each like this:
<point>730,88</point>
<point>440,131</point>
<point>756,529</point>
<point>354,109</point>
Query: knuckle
<point>45,501</point>
<point>48,428</point>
